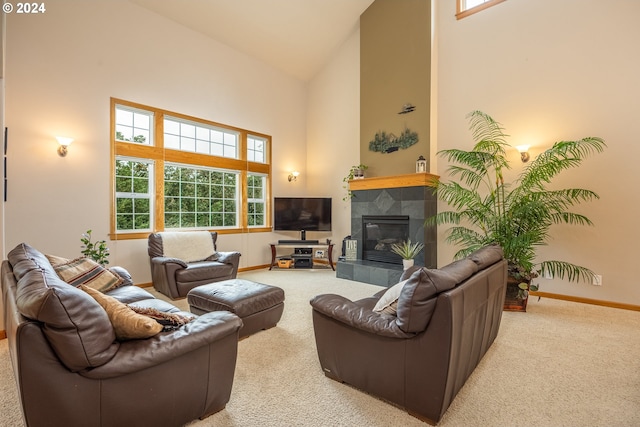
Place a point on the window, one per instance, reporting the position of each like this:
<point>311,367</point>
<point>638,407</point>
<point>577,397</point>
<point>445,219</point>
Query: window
<point>199,138</point>
<point>199,197</point>
<point>133,125</point>
<point>173,171</point>
<point>469,7</point>
<point>256,200</point>
<point>256,149</point>
<point>134,193</point>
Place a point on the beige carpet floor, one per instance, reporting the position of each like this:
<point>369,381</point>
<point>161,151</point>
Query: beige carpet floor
<point>559,364</point>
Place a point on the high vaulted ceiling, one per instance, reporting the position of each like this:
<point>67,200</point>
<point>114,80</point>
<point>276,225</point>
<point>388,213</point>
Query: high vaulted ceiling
<point>295,36</point>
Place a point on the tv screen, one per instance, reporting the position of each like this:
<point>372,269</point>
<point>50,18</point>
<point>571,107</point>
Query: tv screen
<point>302,213</point>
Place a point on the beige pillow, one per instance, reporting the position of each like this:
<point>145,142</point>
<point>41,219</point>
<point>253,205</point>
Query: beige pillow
<point>389,300</point>
<point>127,324</point>
<point>57,260</point>
<point>85,271</point>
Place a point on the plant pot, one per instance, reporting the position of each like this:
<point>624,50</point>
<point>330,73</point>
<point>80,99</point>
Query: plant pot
<point>406,263</point>
<point>516,298</point>
<point>358,173</point>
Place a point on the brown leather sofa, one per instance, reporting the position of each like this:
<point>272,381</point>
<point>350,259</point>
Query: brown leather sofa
<point>420,357</point>
<point>175,277</point>
<point>72,371</point>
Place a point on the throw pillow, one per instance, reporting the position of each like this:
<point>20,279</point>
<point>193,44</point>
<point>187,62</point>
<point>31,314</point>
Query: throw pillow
<point>169,321</point>
<point>85,271</point>
<point>56,260</point>
<point>126,323</point>
<point>389,301</point>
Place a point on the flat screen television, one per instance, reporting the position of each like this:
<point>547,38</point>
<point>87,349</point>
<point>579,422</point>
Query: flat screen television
<point>302,213</point>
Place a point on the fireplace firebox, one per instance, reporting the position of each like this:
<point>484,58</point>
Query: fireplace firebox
<point>380,232</point>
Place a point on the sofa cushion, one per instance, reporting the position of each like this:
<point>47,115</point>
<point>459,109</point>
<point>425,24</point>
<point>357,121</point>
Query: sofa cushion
<point>486,256</point>
<point>85,271</point>
<point>127,324</point>
<point>204,270</point>
<point>418,298</point>
<point>77,328</point>
<point>129,294</point>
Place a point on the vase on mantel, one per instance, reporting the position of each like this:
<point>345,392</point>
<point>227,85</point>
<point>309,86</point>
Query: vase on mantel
<point>407,263</point>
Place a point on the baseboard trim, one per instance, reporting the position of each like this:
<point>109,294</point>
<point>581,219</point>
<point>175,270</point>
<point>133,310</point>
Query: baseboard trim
<point>255,267</point>
<point>586,300</point>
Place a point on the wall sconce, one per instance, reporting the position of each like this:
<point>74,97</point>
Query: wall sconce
<point>64,143</point>
<point>524,152</point>
<point>293,176</point>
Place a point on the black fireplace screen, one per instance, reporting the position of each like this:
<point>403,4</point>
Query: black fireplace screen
<point>379,233</point>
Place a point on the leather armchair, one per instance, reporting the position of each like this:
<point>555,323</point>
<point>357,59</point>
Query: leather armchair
<point>421,356</point>
<point>175,277</point>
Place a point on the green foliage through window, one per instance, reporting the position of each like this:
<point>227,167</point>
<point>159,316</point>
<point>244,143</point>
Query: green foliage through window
<point>133,207</point>
<point>199,197</point>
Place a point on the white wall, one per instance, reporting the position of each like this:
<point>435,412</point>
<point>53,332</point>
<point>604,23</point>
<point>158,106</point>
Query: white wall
<point>333,131</point>
<point>63,66</point>
<point>550,70</point>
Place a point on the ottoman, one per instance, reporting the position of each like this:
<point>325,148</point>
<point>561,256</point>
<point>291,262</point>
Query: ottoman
<point>259,306</point>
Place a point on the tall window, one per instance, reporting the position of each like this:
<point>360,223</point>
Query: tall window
<point>134,193</point>
<point>256,202</point>
<point>469,7</point>
<point>173,171</point>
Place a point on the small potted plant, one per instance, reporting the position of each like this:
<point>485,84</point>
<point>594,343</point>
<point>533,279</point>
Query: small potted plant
<point>97,251</point>
<point>407,251</point>
<point>356,172</point>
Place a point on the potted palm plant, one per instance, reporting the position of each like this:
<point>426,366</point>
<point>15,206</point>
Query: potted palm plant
<point>408,251</point>
<point>516,215</point>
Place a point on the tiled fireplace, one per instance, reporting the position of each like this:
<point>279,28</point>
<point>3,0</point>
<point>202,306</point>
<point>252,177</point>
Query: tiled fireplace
<point>385,210</point>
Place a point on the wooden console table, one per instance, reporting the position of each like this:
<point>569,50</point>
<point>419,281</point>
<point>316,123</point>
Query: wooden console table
<point>324,246</point>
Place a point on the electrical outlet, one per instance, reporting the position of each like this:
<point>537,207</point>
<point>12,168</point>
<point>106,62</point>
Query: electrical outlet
<point>597,280</point>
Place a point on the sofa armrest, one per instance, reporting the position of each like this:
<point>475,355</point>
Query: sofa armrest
<point>122,272</point>
<point>352,314</point>
<point>136,355</point>
<point>229,257</point>
<point>167,260</point>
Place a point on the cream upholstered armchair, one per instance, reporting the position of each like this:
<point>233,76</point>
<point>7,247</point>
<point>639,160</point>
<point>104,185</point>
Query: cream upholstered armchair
<point>182,260</point>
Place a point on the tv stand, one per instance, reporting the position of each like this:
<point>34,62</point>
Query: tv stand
<point>297,245</point>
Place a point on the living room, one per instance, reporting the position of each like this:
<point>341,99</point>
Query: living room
<point>543,84</point>
<point>547,70</point>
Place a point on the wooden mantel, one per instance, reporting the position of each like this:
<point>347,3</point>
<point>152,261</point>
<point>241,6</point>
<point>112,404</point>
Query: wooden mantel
<point>396,181</point>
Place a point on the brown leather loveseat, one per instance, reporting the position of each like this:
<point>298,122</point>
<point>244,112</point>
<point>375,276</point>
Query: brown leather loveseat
<point>432,332</point>
<point>72,371</point>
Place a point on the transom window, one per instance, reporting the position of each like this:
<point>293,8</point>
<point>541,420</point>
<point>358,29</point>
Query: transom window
<point>188,174</point>
<point>469,7</point>
<point>256,149</point>
<point>199,138</point>
<point>134,125</point>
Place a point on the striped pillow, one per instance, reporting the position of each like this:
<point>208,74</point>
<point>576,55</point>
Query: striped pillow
<point>85,271</point>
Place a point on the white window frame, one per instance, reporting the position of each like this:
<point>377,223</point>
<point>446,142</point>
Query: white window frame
<point>463,10</point>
